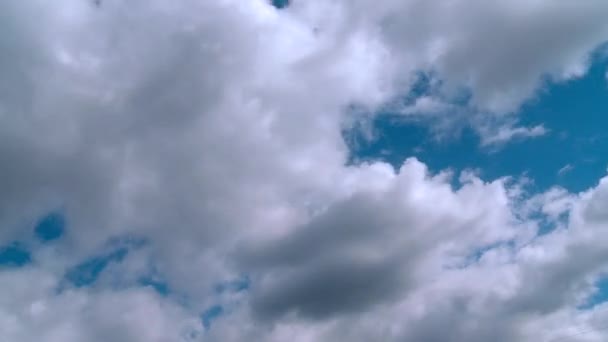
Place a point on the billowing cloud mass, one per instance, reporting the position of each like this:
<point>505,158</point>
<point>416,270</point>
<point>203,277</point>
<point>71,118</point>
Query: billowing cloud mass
<point>195,151</point>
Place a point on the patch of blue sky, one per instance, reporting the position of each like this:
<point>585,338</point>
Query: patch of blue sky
<point>214,312</point>
<point>573,154</point>
<point>157,284</point>
<point>599,296</point>
<point>87,272</point>
<point>280,3</point>
<point>15,254</point>
<point>548,224</point>
<point>51,227</point>
<point>18,254</point>
<point>211,314</point>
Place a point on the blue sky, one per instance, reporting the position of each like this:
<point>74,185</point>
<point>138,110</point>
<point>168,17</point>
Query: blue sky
<point>573,154</point>
<point>280,3</point>
<point>575,114</point>
<point>598,296</point>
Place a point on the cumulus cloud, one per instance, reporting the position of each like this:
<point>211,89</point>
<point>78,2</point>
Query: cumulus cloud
<point>31,311</point>
<point>210,132</point>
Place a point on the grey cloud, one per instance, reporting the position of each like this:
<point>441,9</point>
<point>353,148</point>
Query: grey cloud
<point>330,289</point>
<point>502,50</point>
<point>201,126</point>
<point>360,253</point>
<point>344,261</point>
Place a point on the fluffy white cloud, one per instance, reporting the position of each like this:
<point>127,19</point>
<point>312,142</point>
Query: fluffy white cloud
<point>211,130</point>
<point>31,310</point>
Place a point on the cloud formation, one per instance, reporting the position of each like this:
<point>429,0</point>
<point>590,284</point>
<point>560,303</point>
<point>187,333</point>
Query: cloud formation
<point>210,132</point>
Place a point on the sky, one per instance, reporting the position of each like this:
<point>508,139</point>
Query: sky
<point>572,148</point>
<point>304,170</point>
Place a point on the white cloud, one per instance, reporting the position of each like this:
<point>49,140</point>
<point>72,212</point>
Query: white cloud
<point>212,131</point>
<point>565,169</point>
<point>31,311</point>
<point>502,134</point>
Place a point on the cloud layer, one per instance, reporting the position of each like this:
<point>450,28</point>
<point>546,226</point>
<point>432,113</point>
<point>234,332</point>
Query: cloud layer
<point>183,145</point>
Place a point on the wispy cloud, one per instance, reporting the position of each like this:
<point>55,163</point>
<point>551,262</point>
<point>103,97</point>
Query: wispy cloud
<point>503,134</point>
<point>565,169</point>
